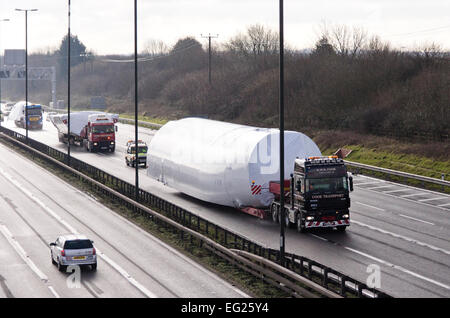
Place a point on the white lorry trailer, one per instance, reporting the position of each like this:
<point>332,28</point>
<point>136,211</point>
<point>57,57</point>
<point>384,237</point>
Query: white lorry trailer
<point>94,130</point>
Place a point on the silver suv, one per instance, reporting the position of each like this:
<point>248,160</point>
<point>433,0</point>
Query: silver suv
<point>72,249</point>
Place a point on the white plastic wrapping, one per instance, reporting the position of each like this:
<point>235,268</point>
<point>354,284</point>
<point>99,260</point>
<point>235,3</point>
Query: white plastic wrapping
<point>223,163</point>
<point>17,111</point>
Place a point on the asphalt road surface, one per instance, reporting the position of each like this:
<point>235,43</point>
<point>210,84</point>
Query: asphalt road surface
<point>402,231</point>
<point>36,207</point>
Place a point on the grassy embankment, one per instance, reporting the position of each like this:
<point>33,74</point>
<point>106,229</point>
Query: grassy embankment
<point>430,159</point>
<point>153,120</point>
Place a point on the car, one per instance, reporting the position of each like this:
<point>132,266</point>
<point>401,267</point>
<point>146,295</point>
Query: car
<point>130,156</point>
<point>73,250</point>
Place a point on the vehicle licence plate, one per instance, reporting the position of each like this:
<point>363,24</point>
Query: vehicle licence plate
<point>34,119</point>
<point>79,257</point>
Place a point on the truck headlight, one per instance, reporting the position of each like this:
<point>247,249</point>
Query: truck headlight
<point>95,144</point>
<point>345,216</point>
<point>112,142</point>
<point>309,218</point>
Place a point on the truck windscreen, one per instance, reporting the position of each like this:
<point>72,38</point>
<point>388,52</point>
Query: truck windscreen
<point>34,112</point>
<point>327,184</point>
<point>332,171</point>
<point>103,129</point>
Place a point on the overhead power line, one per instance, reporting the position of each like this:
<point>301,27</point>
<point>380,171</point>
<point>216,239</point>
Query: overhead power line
<point>422,31</point>
<point>151,58</point>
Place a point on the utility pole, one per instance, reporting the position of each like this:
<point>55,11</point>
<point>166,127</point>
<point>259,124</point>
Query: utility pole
<point>26,68</point>
<point>209,37</point>
<point>282,211</point>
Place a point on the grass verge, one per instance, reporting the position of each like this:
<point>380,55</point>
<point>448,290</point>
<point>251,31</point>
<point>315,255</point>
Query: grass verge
<point>152,120</point>
<point>430,159</point>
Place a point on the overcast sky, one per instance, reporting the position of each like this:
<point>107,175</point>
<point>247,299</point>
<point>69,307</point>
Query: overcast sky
<point>106,26</point>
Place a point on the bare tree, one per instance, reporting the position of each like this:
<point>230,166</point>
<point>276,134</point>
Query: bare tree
<point>257,41</point>
<point>345,41</point>
<point>153,47</point>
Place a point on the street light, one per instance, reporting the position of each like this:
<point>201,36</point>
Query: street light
<point>136,145</point>
<point>26,67</point>
<point>2,20</point>
<point>68,87</point>
<point>282,212</point>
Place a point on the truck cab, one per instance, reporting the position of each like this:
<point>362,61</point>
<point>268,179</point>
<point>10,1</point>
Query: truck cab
<point>100,132</point>
<point>34,119</point>
<point>319,194</point>
<point>130,156</point>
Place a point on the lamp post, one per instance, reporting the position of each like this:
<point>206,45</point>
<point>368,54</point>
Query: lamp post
<point>282,212</point>
<point>136,146</point>
<point>26,67</point>
<point>68,86</point>
<point>2,20</point>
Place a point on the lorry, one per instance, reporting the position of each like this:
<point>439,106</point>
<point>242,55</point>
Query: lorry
<point>93,130</point>
<point>130,156</point>
<point>33,111</point>
<point>238,166</point>
<point>316,196</point>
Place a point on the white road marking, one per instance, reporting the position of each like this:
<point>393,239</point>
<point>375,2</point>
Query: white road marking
<point>319,237</point>
<point>393,191</point>
<point>418,220</point>
<point>19,250</point>
<point>119,269</point>
<point>53,292</point>
<point>127,276</point>
<point>412,195</point>
<point>364,183</point>
<point>444,204</point>
<point>380,187</point>
<point>370,206</point>
<point>407,187</point>
<point>405,238</point>
<point>39,202</point>
<point>400,268</point>
<point>388,264</point>
<point>404,197</point>
<point>432,199</point>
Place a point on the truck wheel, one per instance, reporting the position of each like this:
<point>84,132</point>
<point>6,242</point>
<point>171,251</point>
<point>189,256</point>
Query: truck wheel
<point>287,223</point>
<point>300,227</point>
<point>274,210</point>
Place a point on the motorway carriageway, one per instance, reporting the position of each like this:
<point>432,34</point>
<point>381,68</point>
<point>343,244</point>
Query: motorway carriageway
<point>402,230</point>
<point>36,207</point>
